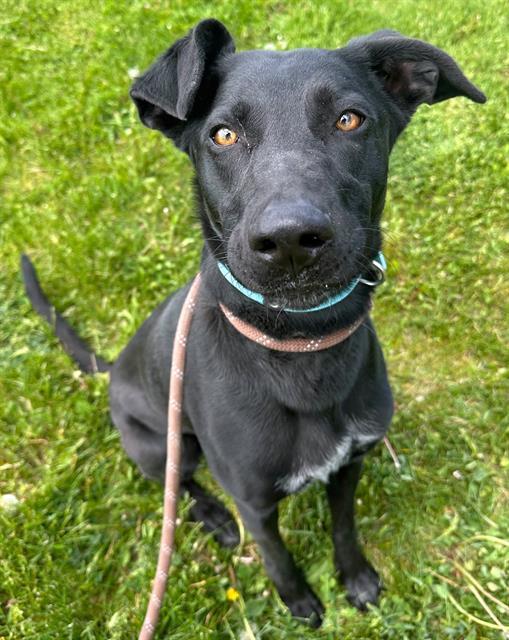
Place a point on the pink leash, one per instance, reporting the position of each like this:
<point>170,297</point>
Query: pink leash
<point>172,476</point>
<point>172,473</point>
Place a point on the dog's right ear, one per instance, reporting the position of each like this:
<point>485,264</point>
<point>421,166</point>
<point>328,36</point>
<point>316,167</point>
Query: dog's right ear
<point>167,92</point>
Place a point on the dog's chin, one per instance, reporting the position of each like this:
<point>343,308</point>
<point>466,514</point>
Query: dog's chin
<point>300,297</point>
<point>303,293</point>
<point>311,287</point>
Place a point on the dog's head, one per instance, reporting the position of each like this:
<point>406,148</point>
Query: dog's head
<point>291,148</point>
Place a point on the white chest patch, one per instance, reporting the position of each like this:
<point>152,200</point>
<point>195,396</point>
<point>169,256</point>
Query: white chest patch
<point>360,433</point>
<point>294,481</point>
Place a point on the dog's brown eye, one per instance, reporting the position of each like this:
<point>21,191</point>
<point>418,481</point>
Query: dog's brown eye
<point>348,121</point>
<point>225,137</point>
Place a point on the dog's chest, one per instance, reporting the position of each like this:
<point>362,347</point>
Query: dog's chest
<point>321,449</point>
<point>307,471</point>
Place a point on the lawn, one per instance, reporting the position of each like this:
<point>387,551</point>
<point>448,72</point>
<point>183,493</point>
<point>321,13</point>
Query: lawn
<point>104,207</point>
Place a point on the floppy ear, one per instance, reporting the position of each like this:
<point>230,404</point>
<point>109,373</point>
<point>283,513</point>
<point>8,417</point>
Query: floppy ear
<point>167,92</point>
<point>412,71</point>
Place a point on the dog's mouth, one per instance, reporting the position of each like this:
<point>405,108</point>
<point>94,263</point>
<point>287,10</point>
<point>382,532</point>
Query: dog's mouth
<point>302,296</point>
<point>301,292</point>
<point>312,288</point>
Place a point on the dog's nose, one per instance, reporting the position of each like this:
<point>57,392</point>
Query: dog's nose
<point>290,236</point>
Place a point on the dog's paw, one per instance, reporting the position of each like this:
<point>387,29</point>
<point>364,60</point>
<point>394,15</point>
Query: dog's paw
<point>363,587</point>
<point>227,534</point>
<point>307,606</point>
<point>216,519</point>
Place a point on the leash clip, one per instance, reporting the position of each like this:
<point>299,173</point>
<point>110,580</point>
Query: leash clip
<point>380,267</point>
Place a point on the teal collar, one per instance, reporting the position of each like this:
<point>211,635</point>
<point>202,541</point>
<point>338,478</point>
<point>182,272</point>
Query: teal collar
<point>378,263</point>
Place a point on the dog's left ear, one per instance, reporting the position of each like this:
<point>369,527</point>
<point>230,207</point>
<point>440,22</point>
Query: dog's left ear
<point>412,71</point>
<point>169,90</point>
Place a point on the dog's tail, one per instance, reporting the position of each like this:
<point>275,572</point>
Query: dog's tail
<point>75,346</point>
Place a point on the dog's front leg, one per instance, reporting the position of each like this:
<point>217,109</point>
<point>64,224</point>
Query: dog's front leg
<point>279,563</point>
<point>362,582</point>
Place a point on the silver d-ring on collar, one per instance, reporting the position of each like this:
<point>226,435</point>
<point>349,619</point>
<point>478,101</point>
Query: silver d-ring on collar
<point>380,267</point>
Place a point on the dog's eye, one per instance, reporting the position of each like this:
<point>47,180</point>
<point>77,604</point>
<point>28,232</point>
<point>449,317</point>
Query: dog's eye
<point>225,137</point>
<point>348,121</point>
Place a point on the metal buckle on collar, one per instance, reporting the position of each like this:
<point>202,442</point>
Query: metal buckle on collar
<point>380,267</point>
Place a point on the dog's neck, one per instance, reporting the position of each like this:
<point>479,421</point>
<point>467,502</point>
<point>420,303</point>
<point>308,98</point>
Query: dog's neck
<point>277,323</point>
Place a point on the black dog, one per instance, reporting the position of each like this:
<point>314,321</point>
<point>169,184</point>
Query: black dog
<point>291,152</point>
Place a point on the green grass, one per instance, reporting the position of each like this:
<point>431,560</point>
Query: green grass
<point>104,207</point>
